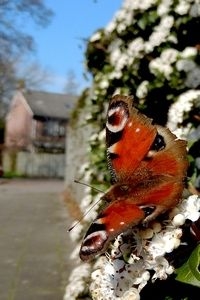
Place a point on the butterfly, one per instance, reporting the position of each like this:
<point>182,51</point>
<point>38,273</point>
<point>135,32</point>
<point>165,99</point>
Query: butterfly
<point>148,166</point>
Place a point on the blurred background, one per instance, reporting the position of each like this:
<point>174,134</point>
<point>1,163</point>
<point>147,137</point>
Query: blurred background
<point>60,62</point>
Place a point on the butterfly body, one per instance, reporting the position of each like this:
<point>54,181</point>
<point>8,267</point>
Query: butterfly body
<point>148,166</point>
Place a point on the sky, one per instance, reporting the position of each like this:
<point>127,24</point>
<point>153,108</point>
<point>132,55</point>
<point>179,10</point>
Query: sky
<point>60,47</point>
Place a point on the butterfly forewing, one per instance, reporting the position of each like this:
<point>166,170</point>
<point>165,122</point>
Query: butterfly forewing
<point>129,136</point>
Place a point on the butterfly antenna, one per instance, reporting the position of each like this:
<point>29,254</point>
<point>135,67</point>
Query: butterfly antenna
<point>92,187</point>
<point>91,207</point>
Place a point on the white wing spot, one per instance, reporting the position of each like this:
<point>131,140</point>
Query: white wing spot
<point>111,149</point>
<point>113,111</point>
<point>137,129</point>
<point>102,237</point>
<point>122,116</point>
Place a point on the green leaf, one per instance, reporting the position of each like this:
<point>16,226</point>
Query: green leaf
<point>189,272</point>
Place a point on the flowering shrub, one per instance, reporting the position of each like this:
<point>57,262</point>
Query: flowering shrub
<point>150,50</point>
<point>138,252</point>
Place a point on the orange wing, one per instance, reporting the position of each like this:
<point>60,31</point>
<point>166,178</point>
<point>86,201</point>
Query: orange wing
<point>129,136</point>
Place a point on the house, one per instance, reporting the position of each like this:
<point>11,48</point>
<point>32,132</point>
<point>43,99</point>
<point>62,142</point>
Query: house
<point>35,134</point>
<point>37,121</point>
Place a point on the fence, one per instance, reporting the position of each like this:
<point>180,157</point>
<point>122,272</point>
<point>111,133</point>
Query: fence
<point>32,164</point>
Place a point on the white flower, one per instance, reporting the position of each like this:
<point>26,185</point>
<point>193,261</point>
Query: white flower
<point>120,15</point>
<point>103,283</point>
<point>164,7</point>
<point>95,37</point>
<point>190,208</point>
<point>77,280</point>
<point>138,5</point>
<point>75,253</point>
<point>163,63</point>
<point>184,103</point>
<point>160,34</point>
<point>136,47</point>
<point>183,7</point>
<point>115,74</point>
<point>172,239</point>
<point>87,204</point>
<point>195,10</point>
<point>167,22</point>
<point>110,27</point>
<point>103,84</point>
<point>115,55</point>
<point>164,242</point>
<point>158,66</point>
<point>193,78</point>
<point>178,220</point>
<point>195,135</point>
<point>102,135</point>
<point>162,269</point>
<point>173,39</point>
<point>182,132</point>
<point>86,201</point>
<point>118,59</point>
<point>169,55</point>
<point>142,89</point>
<point>76,232</point>
<point>121,27</point>
<point>115,45</point>
<point>185,65</point>
<point>131,294</point>
<point>189,52</point>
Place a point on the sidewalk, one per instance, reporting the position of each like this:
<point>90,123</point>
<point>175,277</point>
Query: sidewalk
<point>34,243</point>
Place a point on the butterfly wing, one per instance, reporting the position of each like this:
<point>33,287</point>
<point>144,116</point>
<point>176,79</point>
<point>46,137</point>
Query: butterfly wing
<point>148,165</point>
<point>114,219</point>
<point>129,136</point>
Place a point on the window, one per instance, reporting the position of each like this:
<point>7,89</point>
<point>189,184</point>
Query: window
<point>54,128</point>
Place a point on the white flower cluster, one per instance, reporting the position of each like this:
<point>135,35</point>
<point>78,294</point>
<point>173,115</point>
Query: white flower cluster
<point>188,209</point>
<point>76,285</point>
<point>138,47</point>
<point>160,34</point>
<point>171,59</point>
<point>181,107</point>
<point>195,9</point>
<point>124,17</point>
<point>119,59</point>
<point>187,64</point>
<point>164,7</point>
<point>142,89</point>
<point>163,64</point>
<point>129,56</point>
<point>182,7</point>
<point>139,251</point>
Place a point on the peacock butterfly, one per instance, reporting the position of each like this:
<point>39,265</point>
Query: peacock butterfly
<point>148,166</point>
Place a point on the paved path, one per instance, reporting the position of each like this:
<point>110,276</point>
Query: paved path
<point>34,246</point>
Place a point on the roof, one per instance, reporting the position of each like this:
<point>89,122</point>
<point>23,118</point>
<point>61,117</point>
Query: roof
<point>53,105</point>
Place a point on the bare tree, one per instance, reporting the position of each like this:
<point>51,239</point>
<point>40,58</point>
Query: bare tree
<point>14,40</point>
<point>71,86</point>
<point>14,14</point>
<point>32,75</point>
